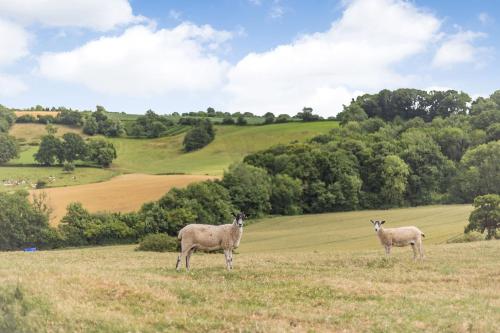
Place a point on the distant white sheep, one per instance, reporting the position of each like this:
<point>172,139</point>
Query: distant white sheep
<point>210,238</point>
<point>403,236</point>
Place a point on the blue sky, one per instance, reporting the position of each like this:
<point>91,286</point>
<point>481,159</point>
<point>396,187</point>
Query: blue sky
<point>241,55</point>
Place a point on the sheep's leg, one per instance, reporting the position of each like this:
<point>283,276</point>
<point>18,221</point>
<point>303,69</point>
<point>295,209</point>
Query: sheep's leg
<point>387,250</point>
<point>421,249</point>
<point>177,266</point>
<point>414,247</point>
<point>188,257</point>
<point>226,254</point>
<point>231,259</point>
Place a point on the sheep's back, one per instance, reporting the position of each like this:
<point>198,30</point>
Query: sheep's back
<point>404,233</point>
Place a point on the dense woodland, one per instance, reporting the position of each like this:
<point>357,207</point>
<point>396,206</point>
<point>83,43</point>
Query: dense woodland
<point>393,149</point>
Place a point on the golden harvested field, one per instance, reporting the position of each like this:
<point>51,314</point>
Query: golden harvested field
<point>36,113</point>
<point>123,193</point>
<point>34,132</point>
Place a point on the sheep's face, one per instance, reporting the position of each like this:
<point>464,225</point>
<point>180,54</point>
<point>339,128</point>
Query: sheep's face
<point>377,225</point>
<point>238,219</point>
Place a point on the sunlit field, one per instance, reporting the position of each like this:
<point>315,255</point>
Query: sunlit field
<point>276,285</point>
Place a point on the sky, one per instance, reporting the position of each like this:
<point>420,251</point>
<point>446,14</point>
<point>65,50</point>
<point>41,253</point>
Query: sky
<point>241,55</point>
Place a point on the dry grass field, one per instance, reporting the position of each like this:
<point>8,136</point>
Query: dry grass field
<point>36,113</point>
<point>123,193</point>
<point>34,132</point>
<point>333,287</point>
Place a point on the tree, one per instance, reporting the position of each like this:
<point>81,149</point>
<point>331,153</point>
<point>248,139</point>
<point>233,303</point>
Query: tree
<point>453,142</point>
<point>210,112</point>
<point>228,121</point>
<point>286,194</point>
<point>241,121</point>
<point>50,150</point>
<point>282,118</point>
<point>23,224</point>
<point>269,118</point>
<point>307,115</point>
<point>486,215</point>
<point>394,174</point>
<point>74,147</point>
<point>353,112</point>
<point>249,188</point>
<point>9,148</point>
<point>199,136</point>
<point>90,126</point>
<point>479,172</point>
<point>101,152</point>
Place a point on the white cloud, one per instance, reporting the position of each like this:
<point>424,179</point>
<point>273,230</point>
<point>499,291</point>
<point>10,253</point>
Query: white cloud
<point>14,42</point>
<point>175,14</point>
<point>255,2</point>
<point>11,85</point>
<point>144,62</point>
<point>459,49</point>
<point>277,10</point>
<point>94,14</point>
<point>484,18</point>
<point>325,70</point>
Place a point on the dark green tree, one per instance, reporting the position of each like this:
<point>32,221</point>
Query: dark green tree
<point>50,150</point>
<point>101,152</point>
<point>9,148</point>
<point>74,147</point>
<point>486,215</point>
<point>249,188</point>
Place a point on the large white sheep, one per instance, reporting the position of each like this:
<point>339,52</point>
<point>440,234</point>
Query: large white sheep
<point>402,236</point>
<point>210,238</point>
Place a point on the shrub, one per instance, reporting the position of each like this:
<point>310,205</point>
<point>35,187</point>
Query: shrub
<point>23,223</point>
<point>41,184</point>
<point>159,243</point>
<point>79,227</point>
<point>199,136</point>
<point>249,188</point>
<point>472,236</point>
<point>69,167</point>
<point>8,148</point>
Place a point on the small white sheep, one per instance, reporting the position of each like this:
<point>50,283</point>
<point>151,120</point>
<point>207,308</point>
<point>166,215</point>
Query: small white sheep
<point>210,238</point>
<point>403,236</point>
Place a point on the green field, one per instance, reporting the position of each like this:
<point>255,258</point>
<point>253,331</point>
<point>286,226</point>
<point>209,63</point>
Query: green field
<point>54,176</point>
<point>231,144</point>
<point>330,285</point>
<point>159,156</point>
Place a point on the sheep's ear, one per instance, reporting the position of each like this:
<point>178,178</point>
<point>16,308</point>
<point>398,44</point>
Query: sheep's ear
<point>372,222</point>
<point>382,222</point>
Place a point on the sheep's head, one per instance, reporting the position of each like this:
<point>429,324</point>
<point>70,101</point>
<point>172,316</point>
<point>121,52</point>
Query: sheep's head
<point>238,219</point>
<point>377,225</point>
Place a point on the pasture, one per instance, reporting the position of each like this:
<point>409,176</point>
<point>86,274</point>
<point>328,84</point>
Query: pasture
<point>154,156</point>
<point>124,193</point>
<point>32,133</point>
<point>280,287</point>
<point>231,144</point>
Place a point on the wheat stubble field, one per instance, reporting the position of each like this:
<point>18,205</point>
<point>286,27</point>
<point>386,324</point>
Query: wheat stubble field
<point>275,287</point>
<point>124,193</point>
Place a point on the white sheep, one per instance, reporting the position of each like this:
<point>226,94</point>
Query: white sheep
<point>403,236</point>
<point>210,238</point>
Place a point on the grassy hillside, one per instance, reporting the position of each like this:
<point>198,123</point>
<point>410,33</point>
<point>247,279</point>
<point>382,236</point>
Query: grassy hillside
<point>32,133</point>
<point>352,230</point>
<point>155,156</point>
<point>333,287</point>
<point>231,144</point>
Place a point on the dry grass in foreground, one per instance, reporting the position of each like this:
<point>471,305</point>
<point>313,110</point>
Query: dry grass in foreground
<point>115,289</point>
<point>124,193</point>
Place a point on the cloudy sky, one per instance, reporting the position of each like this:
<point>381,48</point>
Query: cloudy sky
<point>241,55</point>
